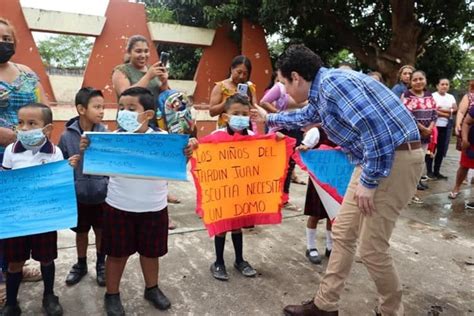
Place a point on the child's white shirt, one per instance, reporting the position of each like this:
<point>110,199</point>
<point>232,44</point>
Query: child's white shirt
<point>137,195</point>
<point>311,139</point>
<point>16,156</point>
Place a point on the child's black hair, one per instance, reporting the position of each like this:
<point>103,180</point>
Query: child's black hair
<point>145,97</point>
<point>84,95</point>
<point>236,98</point>
<point>46,113</point>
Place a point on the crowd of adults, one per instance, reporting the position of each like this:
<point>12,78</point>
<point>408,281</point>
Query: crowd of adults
<point>386,135</point>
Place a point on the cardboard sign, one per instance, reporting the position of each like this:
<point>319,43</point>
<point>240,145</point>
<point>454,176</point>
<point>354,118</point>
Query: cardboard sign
<point>330,171</point>
<point>37,200</point>
<point>239,180</point>
<point>148,156</point>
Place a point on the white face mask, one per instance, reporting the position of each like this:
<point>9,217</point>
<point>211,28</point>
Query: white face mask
<point>239,123</point>
<point>32,137</point>
<point>128,120</point>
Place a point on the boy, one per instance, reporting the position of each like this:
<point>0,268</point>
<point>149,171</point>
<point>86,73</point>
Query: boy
<point>32,148</point>
<point>90,189</point>
<point>135,214</point>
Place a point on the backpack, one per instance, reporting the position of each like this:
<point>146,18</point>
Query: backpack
<point>174,113</point>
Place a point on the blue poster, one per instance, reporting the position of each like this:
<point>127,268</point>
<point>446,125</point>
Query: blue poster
<point>330,167</point>
<point>148,156</point>
<point>37,200</point>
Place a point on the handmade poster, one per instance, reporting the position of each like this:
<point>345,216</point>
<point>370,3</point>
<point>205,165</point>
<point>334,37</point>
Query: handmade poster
<point>133,155</point>
<point>239,180</point>
<point>37,200</point>
<point>330,171</point>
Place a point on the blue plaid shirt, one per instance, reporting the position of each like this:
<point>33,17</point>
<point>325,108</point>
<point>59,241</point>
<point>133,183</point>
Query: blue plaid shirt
<point>359,114</point>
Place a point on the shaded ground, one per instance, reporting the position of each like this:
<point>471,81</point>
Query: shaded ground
<point>432,245</point>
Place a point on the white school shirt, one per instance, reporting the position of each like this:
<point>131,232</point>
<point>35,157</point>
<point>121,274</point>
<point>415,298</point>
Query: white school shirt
<point>311,138</point>
<point>137,195</point>
<point>16,156</point>
<point>444,102</point>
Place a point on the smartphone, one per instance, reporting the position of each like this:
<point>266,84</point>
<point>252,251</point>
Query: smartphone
<point>242,88</point>
<point>164,57</point>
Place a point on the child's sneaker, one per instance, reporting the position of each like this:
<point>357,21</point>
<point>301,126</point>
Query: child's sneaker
<point>113,305</point>
<point>51,305</point>
<point>219,272</point>
<point>12,310</point>
<point>158,298</point>
<point>100,274</point>
<point>245,268</point>
<point>75,275</point>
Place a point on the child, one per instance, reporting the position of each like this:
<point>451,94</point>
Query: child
<point>35,123</point>
<point>236,115</point>
<point>90,189</point>
<point>314,208</point>
<point>136,213</point>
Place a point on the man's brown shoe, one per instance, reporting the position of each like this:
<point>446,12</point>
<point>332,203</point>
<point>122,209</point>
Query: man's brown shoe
<point>306,309</point>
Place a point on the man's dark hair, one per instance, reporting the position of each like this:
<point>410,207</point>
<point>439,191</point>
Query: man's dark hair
<point>145,97</point>
<point>239,60</point>
<point>300,59</point>
<point>46,113</point>
<point>236,98</point>
<point>84,95</point>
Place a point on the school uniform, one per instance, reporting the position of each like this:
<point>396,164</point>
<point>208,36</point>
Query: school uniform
<point>136,217</point>
<point>41,247</point>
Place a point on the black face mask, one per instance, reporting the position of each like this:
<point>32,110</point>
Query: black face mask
<point>7,50</point>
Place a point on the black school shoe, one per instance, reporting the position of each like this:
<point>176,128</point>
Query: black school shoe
<point>100,274</point>
<point>51,305</point>
<point>76,274</point>
<point>328,252</point>
<point>219,272</point>
<point>11,310</point>
<point>312,257</point>
<point>113,305</point>
<point>158,298</point>
<point>245,268</point>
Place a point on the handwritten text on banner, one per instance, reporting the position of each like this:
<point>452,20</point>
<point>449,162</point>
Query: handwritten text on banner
<point>330,171</point>
<point>240,183</point>
<point>136,155</point>
<point>37,200</point>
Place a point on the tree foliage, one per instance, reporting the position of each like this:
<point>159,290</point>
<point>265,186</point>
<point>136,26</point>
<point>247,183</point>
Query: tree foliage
<point>65,51</point>
<point>183,59</point>
<point>382,35</point>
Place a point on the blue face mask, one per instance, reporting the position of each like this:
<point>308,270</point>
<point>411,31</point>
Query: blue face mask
<point>128,120</point>
<point>32,137</point>
<point>239,123</point>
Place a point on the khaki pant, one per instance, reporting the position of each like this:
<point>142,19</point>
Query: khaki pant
<point>374,232</point>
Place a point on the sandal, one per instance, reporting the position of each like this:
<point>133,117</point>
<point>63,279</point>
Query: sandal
<point>296,180</point>
<point>3,294</point>
<point>173,200</point>
<point>31,274</point>
<point>171,225</point>
<point>452,195</point>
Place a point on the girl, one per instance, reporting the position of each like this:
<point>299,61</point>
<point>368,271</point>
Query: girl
<point>236,118</point>
<point>446,107</point>
<point>422,105</point>
<point>314,208</point>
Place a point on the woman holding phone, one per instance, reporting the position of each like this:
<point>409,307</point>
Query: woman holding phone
<point>136,71</point>
<point>238,82</point>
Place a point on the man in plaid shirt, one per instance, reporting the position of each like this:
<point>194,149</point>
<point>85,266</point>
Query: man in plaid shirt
<point>381,138</point>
